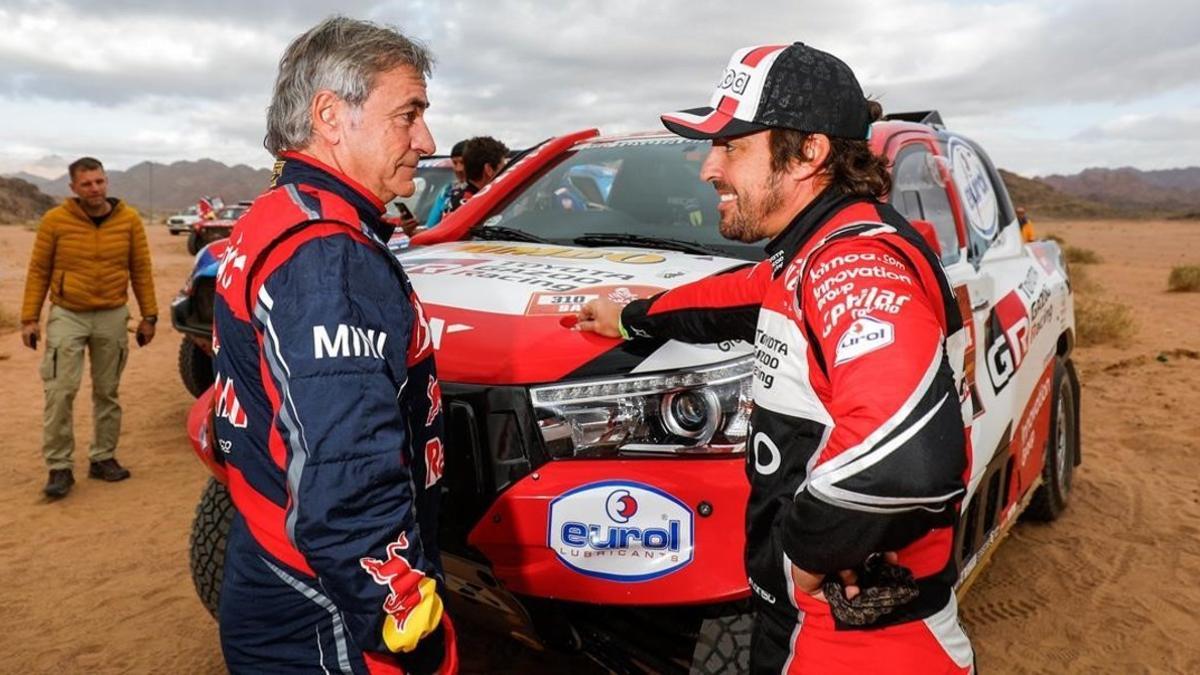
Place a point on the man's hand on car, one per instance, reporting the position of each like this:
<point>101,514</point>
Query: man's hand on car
<point>30,333</point>
<point>601,316</point>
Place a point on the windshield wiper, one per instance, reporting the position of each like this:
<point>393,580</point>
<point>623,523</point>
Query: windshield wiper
<point>494,232</point>
<point>614,239</point>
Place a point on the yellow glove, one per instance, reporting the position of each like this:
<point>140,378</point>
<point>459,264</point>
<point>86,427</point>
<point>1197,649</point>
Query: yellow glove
<point>420,615</point>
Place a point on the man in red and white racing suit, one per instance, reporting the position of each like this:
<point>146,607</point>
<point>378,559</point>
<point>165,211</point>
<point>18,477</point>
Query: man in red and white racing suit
<point>857,451</point>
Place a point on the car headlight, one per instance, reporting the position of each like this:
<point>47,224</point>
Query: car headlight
<point>695,411</point>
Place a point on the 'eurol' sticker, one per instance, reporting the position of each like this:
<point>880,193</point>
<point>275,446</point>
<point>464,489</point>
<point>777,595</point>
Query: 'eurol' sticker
<point>621,531</point>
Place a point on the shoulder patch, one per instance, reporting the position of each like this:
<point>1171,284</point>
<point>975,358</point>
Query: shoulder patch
<point>864,335</point>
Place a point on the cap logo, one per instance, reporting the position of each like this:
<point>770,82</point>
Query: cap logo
<point>735,81</point>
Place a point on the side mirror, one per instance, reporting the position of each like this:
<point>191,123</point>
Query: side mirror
<point>927,231</point>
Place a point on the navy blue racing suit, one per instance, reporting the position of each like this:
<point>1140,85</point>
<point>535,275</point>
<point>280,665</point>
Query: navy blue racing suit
<point>328,416</point>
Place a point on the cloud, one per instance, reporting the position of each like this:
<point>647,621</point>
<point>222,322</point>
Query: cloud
<point>192,76</point>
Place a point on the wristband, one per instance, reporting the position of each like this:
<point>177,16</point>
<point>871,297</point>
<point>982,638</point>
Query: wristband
<point>621,329</point>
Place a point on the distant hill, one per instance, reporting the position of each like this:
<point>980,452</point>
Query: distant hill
<point>1132,191</point>
<point>1041,200</point>
<point>168,187</point>
<point>21,201</point>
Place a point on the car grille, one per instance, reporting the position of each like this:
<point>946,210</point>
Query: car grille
<point>203,297</point>
<point>492,441</point>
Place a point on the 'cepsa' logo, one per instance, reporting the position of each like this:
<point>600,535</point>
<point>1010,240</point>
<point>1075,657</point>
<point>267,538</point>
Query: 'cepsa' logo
<point>620,531</point>
<point>1008,339</point>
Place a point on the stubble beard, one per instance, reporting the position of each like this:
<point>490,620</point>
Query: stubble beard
<point>746,222</point>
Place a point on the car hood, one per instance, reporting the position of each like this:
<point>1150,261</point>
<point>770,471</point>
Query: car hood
<point>499,312</point>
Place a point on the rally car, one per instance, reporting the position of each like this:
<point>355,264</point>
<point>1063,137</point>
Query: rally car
<point>596,489</point>
<point>207,230</point>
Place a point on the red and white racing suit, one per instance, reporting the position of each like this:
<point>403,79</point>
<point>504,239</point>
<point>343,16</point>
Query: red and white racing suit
<point>858,440</point>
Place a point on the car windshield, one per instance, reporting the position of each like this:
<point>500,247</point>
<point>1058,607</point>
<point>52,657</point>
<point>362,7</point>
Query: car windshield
<point>232,213</point>
<point>606,190</point>
<point>430,181</point>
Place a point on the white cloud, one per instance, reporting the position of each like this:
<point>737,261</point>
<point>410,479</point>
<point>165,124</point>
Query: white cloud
<point>1045,86</point>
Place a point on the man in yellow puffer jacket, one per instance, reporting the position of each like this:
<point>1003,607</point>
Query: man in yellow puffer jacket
<point>88,251</point>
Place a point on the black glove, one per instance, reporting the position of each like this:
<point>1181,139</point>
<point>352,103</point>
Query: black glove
<point>883,587</point>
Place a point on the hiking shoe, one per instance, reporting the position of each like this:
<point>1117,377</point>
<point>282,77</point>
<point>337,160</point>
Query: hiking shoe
<point>108,470</point>
<point>59,484</point>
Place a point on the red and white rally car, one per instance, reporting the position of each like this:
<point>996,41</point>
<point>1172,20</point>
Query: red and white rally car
<point>596,488</point>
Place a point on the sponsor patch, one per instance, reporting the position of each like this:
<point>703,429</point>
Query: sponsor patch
<point>227,404</point>
<point>434,392</point>
<point>974,189</point>
<point>397,575</point>
<point>344,341</point>
<point>620,531</point>
<point>434,266</point>
<point>863,336</point>
<point>541,304</point>
<point>435,461</point>
<point>1008,339</point>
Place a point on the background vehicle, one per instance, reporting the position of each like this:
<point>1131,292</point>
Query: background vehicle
<point>208,230</point>
<point>433,175</point>
<point>192,315</point>
<point>596,488</point>
<point>182,222</point>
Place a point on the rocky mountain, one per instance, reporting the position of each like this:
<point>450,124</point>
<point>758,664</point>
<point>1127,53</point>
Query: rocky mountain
<point>21,201</point>
<point>1042,200</point>
<point>162,188</point>
<point>1133,191</point>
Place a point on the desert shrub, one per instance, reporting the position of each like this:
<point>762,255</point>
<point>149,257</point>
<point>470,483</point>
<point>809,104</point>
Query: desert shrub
<point>1081,280</point>
<point>1099,322</point>
<point>1184,279</point>
<point>1084,256</point>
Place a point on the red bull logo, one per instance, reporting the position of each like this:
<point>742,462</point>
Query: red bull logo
<point>398,575</point>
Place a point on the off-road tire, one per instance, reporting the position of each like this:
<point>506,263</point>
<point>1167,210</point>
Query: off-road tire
<point>210,531</point>
<point>195,368</point>
<point>723,645</point>
<point>1062,448</point>
<point>193,244</point>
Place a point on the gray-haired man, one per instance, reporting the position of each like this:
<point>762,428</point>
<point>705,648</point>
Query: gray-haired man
<point>334,453</point>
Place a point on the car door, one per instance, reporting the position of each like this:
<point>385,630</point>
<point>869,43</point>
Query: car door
<point>1016,356</point>
<point>923,190</point>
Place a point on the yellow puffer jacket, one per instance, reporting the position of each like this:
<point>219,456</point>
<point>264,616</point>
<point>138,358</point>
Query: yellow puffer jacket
<point>86,266</point>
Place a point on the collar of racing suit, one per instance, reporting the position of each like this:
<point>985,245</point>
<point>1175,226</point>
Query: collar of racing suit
<point>304,170</point>
<point>784,246</point>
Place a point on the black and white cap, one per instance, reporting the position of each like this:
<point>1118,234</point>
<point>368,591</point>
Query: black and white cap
<point>779,86</point>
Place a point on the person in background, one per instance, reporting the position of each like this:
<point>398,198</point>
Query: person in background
<point>88,251</point>
<point>442,206</point>
<point>1027,233</point>
<point>483,158</point>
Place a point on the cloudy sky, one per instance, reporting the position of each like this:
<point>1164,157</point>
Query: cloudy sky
<point>1045,86</point>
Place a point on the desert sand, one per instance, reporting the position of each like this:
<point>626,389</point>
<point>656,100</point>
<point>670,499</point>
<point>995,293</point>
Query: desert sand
<point>99,583</point>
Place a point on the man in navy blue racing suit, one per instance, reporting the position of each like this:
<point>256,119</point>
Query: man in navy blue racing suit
<point>327,404</point>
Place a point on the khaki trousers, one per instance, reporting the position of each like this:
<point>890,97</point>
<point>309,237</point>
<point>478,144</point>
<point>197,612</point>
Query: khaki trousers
<point>68,333</point>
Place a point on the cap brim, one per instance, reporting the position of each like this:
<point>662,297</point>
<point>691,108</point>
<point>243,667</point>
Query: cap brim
<point>707,123</point>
